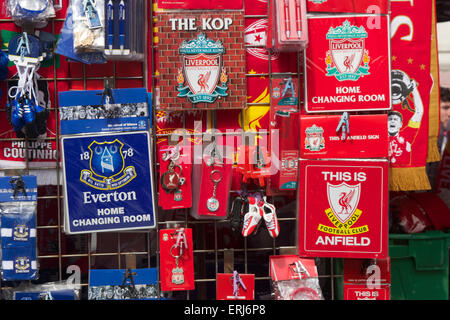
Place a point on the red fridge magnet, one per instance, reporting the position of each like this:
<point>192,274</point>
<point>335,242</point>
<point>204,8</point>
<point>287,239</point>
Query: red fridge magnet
<point>235,286</point>
<point>343,208</point>
<point>347,57</point>
<point>176,259</point>
<point>367,137</point>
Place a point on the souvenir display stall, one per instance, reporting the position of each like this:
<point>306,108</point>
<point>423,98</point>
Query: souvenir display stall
<point>221,150</point>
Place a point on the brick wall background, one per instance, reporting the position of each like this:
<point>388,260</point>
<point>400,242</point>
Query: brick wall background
<point>169,60</point>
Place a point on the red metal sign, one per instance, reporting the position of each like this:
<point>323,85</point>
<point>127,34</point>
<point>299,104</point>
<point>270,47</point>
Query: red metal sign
<point>357,6</point>
<point>343,209</point>
<point>367,138</point>
<point>348,56</point>
<point>230,288</point>
<point>362,292</point>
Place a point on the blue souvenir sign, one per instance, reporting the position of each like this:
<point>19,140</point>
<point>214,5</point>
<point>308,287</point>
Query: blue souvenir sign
<point>65,294</point>
<point>123,284</point>
<point>92,111</point>
<point>108,182</point>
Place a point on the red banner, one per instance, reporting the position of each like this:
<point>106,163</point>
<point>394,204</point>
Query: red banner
<point>347,56</point>
<point>408,122</point>
<point>343,209</point>
<point>356,6</point>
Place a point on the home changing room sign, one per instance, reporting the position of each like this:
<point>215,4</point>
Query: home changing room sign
<point>343,208</point>
<point>347,66</point>
<point>108,182</point>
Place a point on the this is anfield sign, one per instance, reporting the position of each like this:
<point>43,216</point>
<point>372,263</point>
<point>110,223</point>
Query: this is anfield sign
<point>367,138</point>
<point>347,65</point>
<point>343,209</point>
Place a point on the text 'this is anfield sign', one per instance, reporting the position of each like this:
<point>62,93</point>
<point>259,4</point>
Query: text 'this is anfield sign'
<point>343,209</point>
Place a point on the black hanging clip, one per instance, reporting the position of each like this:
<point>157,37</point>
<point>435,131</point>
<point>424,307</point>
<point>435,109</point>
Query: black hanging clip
<point>107,94</point>
<point>129,276</point>
<point>18,185</point>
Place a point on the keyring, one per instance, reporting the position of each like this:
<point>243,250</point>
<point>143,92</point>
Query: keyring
<point>216,180</point>
<point>174,256</point>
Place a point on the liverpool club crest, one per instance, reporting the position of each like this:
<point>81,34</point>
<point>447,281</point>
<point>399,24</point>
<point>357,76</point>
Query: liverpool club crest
<point>347,57</point>
<point>314,140</point>
<point>343,200</point>
<point>343,212</point>
<point>107,166</point>
<point>203,77</point>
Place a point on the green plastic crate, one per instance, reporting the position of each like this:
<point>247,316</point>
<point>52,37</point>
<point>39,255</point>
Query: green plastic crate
<point>419,266</point>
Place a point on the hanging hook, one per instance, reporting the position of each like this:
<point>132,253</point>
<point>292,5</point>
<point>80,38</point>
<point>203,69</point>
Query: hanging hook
<point>107,94</point>
<point>344,125</point>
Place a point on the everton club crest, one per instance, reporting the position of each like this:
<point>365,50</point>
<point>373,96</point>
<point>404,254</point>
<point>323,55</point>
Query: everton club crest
<point>347,58</point>
<point>22,264</point>
<point>107,166</point>
<point>343,212</point>
<point>203,77</point>
<point>21,232</point>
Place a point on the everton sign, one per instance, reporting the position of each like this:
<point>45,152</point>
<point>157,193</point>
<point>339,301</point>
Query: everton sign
<point>108,182</point>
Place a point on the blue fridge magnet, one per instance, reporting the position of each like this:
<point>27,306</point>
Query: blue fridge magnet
<point>108,182</point>
<point>91,111</point>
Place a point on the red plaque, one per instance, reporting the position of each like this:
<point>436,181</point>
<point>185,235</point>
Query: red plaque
<point>349,55</point>
<point>367,138</point>
<point>226,283</point>
<point>362,292</point>
<point>343,209</point>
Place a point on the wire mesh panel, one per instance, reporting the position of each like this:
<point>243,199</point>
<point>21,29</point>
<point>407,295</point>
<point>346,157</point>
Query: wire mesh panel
<point>216,247</point>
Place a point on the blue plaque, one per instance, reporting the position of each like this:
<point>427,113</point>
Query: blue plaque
<point>90,111</point>
<point>108,182</point>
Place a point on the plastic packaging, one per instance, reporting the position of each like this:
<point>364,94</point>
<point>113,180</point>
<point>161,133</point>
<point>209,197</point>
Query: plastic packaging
<point>48,291</point>
<point>65,45</point>
<point>25,113</point>
<point>304,289</point>
<point>294,278</point>
<point>124,39</point>
<point>34,12</point>
<point>18,207</point>
<point>290,31</point>
<point>88,25</point>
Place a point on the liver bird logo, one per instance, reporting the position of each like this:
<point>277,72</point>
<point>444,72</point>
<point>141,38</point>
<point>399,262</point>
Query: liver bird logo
<point>348,62</point>
<point>343,199</point>
<point>203,79</point>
